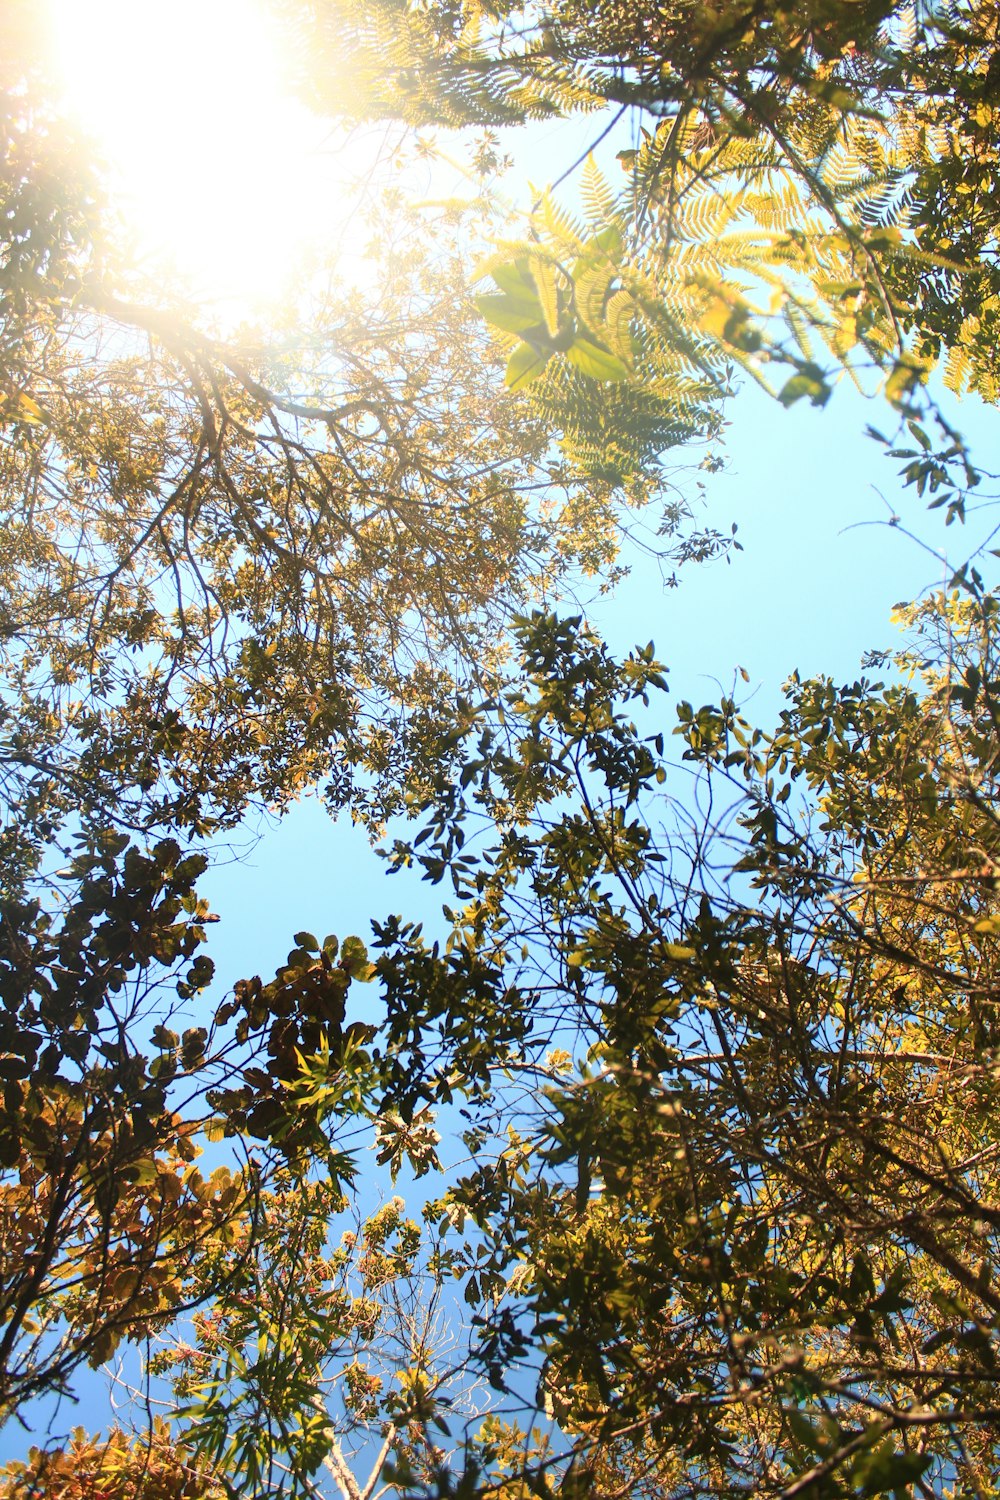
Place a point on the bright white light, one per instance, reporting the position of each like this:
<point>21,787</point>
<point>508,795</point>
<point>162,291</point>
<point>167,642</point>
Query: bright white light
<point>216,168</point>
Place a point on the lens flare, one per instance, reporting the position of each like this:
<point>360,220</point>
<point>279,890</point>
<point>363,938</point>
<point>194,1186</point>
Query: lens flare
<point>217,169</point>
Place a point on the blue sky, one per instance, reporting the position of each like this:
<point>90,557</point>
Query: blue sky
<point>812,590</point>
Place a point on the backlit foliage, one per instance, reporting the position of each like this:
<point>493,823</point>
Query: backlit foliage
<point>713,1012</point>
<point>825,173</point>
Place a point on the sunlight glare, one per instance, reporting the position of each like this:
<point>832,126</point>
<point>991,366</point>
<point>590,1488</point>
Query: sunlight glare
<point>218,170</point>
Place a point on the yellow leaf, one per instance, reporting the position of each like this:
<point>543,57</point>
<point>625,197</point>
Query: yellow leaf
<point>29,410</point>
<point>548,296</point>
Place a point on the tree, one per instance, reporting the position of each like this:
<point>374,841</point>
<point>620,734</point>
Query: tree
<point>218,591</point>
<point>109,1231</point>
<point>729,1086</point>
<point>119,1469</point>
<point>306,543</point>
<point>834,163</point>
<point>745,1238</point>
<point>102,1213</point>
<point>756,1218</point>
<point>236,567</point>
<point>242,564</point>
<point>323,1361</point>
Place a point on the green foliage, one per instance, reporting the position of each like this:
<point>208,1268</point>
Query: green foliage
<point>423,64</point>
<point>118,1468</point>
<point>726,1078</point>
<point>753,1226</point>
<point>841,160</point>
<point>102,1211</point>
<point>605,348</point>
<point>306,1061</point>
<point>247,569</point>
<point>316,1346</point>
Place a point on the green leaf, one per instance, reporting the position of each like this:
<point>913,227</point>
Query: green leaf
<point>515,278</point>
<point>596,362</point>
<point>902,382</point>
<point>525,365</point>
<point>608,242</point>
<point>29,410</point>
<point>881,1469</point>
<point>143,1172</point>
<point>511,314</point>
<point>354,959</point>
<point>819,1434</point>
<point>801,385</point>
<point>548,295</point>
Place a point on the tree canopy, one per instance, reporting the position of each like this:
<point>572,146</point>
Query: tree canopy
<point>807,189</point>
<point>712,1015</point>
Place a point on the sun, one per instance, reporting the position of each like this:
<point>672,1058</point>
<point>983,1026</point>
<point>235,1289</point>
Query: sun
<point>217,169</point>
